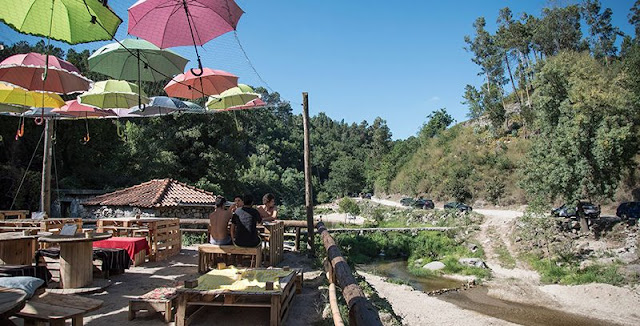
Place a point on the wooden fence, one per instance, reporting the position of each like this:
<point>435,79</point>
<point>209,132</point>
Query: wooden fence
<point>361,312</point>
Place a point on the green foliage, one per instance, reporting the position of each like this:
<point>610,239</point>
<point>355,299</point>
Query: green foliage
<point>553,272</point>
<point>587,130</point>
<point>438,121</point>
<point>349,206</point>
<point>495,190</point>
<point>190,238</point>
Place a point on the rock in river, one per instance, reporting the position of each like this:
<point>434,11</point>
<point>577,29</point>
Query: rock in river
<point>434,266</point>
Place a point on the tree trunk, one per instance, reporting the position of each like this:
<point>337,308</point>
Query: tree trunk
<point>513,84</point>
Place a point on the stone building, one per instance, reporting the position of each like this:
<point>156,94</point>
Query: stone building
<point>158,197</point>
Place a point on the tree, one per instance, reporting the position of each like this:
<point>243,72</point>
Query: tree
<point>559,30</point>
<point>603,33</point>
<point>347,175</point>
<point>634,17</point>
<point>438,121</point>
<point>473,99</point>
<point>507,39</point>
<point>587,122</point>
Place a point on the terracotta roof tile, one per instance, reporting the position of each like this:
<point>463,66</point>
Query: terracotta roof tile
<point>155,193</point>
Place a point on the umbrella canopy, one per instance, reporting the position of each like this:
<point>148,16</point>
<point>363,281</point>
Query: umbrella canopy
<point>176,23</point>
<point>25,70</point>
<point>239,95</point>
<point>193,108</point>
<point>113,94</point>
<point>253,104</point>
<point>74,108</point>
<point>12,108</point>
<point>70,21</point>
<point>44,113</point>
<point>211,82</point>
<point>160,105</point>
<point>114,60</point>
<point>10,94</point>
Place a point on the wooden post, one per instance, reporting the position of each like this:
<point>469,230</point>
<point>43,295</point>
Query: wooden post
<point>308,190</point>
<point>45,188</point>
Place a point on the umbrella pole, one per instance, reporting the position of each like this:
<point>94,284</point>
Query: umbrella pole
<point>195,46</point>
<point>45,189</point>
<point>139,84</point>
<point>46,50</point>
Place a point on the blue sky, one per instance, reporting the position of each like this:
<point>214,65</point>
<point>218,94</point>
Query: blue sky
<point>357,59</point>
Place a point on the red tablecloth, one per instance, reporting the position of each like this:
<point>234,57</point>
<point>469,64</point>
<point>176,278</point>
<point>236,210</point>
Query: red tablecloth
<point>131,245</point>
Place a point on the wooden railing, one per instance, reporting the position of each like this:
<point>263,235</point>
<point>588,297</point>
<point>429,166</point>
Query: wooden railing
<point>361,312</point>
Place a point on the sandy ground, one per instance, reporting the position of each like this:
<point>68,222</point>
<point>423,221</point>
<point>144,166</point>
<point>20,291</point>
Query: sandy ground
<point>306,307</point>
<point>614,304</point>
<point>341,218</point>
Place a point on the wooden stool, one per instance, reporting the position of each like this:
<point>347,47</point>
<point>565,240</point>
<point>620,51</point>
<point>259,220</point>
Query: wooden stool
<point>56,308</point>
<point>159,300</point>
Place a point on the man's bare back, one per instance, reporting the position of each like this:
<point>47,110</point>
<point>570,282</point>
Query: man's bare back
<point>219,220</point>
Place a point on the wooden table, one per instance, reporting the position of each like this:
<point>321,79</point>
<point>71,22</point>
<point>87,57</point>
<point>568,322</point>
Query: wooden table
<point>56,308</point>
<point>163,234</point>
<point>76,258</point>
<point>278,301</point>
<point>19,214</point>
<point>45,225</point>
<point>17,248</point>
<point>11,301</point>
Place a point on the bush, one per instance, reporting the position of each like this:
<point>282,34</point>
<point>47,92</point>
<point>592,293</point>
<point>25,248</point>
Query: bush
<point>349,206</point>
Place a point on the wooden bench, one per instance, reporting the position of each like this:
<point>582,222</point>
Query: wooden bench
<point>206,254</point>
<point>55,309</point>
<point>159,300</point>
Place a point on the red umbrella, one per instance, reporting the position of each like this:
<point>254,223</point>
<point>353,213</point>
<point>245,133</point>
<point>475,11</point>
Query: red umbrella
<point>76,109</point>
<point>26,70</point>
<point>191,86</point>
<point>169,23</point>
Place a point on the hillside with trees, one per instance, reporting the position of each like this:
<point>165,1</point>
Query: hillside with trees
<point>556,118</point>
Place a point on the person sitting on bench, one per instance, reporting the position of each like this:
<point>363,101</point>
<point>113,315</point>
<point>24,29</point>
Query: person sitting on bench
<point>243,223</point>
<point>219,220</point>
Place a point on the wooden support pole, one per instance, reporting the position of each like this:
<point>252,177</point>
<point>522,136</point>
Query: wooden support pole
<point>45,188</point>
<point>308,190</point>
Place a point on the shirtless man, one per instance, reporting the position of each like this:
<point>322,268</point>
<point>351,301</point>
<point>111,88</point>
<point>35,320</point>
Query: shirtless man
<point>219,220</point>
<point>268,211</point>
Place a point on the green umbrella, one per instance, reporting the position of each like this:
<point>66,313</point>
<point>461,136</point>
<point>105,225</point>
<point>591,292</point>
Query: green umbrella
<point>70,21</point>
<point>113,94</point>
<point>142,61</point>
<point>240,95</point>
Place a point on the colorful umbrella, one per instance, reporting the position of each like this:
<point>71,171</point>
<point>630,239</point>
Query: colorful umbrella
<point>26,70</point>
<point>193,108</point>
<point>76,109</point>
<point>13,108</point>
<point>44,112</point>
<point>236,96</point>
<point>70,21</point>
<point>10,94</point>
<point>183,22</point>
<point>253,104</point>
<point>191,86</point>
<point>113,94</point>
<point>160,105</point>
<point>136,60</point>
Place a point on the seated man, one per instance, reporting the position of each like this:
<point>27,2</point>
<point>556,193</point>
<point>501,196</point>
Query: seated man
<point>219,220</point>
<point>268,210</point>
<point>244,221</point>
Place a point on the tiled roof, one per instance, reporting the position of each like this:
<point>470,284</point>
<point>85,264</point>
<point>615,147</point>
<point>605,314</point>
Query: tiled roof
<point>155,193</point>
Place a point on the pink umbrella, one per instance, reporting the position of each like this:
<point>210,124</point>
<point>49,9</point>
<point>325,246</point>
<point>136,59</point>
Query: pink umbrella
<point>169,23</point>
<point>192,86</point>
<point>25,70</point>
<point>253,104</point>
<point>76,109</point>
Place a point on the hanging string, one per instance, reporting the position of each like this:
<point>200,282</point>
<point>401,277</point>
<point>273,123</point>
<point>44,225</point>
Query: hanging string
<point>26,171</point>
<point>87,137</point>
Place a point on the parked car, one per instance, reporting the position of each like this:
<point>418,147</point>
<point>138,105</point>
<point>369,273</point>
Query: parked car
<point>423,203</point>
<point>590,211</point>
<point>629,210</point>
<point>366,196</point>
<point>459,206</point>
<point>406,201</point>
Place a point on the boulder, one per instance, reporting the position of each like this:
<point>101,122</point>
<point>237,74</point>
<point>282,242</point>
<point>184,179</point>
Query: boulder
<point>472,262</point>
<point>628,257</point>
<point>472,247</point>
<point>434,266</point>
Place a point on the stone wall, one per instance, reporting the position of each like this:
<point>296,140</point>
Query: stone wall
<point>97,212</point>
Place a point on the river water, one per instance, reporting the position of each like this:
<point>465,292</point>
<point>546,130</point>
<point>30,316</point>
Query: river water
<point>476,299</point>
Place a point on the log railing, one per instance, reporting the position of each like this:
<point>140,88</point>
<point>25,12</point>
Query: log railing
<point>361,312</point>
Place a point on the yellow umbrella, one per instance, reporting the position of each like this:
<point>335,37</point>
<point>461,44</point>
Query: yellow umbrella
<point>10,94</point>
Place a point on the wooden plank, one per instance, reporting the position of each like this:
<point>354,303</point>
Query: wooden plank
<point>17,251</point>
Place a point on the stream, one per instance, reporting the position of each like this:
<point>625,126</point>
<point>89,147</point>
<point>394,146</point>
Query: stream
<point>478,300</point>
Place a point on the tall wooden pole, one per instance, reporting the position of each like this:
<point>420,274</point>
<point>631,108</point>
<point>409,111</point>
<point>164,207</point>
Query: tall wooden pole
<point>308,190</point>
<point>45,188</point>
